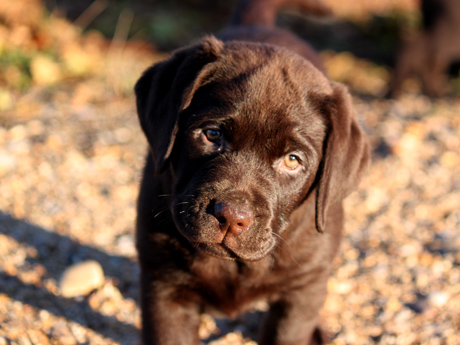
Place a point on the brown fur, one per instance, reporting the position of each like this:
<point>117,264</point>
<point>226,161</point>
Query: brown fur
<point>223,223</point>
<point>429,52</point>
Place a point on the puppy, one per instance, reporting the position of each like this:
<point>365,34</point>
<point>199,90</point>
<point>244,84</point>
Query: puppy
<point>430,52</point>
<point>252,150</point>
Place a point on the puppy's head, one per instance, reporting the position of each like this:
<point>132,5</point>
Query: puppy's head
<point>248,131</point>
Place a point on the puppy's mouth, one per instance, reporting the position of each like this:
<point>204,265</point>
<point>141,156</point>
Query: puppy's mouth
<point>225,252</point>
<point>218,250</point>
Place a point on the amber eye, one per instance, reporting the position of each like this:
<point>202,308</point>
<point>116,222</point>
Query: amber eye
<point>213,135</point>
<point>291,161</point>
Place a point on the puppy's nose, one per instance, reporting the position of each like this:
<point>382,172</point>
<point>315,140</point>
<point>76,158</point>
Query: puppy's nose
<point>232,221</point>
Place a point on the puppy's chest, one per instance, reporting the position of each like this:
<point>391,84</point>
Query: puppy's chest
<point>232,288</point>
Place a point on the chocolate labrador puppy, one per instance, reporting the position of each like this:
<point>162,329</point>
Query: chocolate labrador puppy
<point>252,150</point>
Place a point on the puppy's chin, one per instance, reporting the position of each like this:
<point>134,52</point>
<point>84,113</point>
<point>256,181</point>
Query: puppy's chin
<point>217,250</point>
<point>221,251</point>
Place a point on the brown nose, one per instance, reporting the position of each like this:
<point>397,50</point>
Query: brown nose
<point>232,221</point>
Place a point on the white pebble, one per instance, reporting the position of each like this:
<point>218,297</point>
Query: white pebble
<point>82,278</point>
<point>126,246</point>
<point>438,298</point>
<point>7,162</point>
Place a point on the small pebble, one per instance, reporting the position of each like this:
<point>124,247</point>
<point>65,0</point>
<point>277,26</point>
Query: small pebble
<point>208,327</point>
<point>7,162</point>
<point>123,135</point>
<point>438,298</point>
<point>17,133</point>
<point>24,340</point>
<point>35,127</point>
<point>82,278</point>
<point>126,246</point>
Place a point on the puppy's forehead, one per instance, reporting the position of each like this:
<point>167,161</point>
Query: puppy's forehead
<point>268,63</point>
<point>262,89</point>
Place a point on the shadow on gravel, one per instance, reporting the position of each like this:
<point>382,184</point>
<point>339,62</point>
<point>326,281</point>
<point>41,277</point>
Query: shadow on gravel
<point>55,253</point>
<point>71,309</point>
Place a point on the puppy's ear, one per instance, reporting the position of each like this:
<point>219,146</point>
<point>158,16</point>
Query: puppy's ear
<point>345,154</point>
<point>165,89</point>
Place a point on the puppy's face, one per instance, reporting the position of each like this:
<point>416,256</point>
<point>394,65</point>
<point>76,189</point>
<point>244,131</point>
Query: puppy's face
<point>245,145</point>
<point>246,154</point>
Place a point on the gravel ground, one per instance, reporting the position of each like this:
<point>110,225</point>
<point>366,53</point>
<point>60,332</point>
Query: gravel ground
<point>69,177</point>
<point>70,161</point>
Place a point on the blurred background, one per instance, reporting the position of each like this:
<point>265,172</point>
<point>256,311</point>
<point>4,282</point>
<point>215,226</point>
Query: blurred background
<point>71,154</point>
<point>63,33</point>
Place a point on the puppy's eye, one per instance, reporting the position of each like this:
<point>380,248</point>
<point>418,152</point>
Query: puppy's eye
<point>291,161</point>
<point>213,135</point>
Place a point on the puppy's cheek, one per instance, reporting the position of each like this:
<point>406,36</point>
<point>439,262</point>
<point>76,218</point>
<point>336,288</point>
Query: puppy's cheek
<point>181,210</point>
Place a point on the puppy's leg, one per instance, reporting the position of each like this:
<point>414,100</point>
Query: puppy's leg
<point>167,317</point>
<point>319,337</point>
<point>293,320</point>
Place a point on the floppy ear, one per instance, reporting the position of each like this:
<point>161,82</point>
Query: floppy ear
<point>165,89</point>
<point>345,154</point>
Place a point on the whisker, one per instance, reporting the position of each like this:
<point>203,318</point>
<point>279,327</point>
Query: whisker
<point>159,209</point>
<point>283,248</point>
<point>162,211</point>
<point>281,238</point>
<point>182,203</point>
